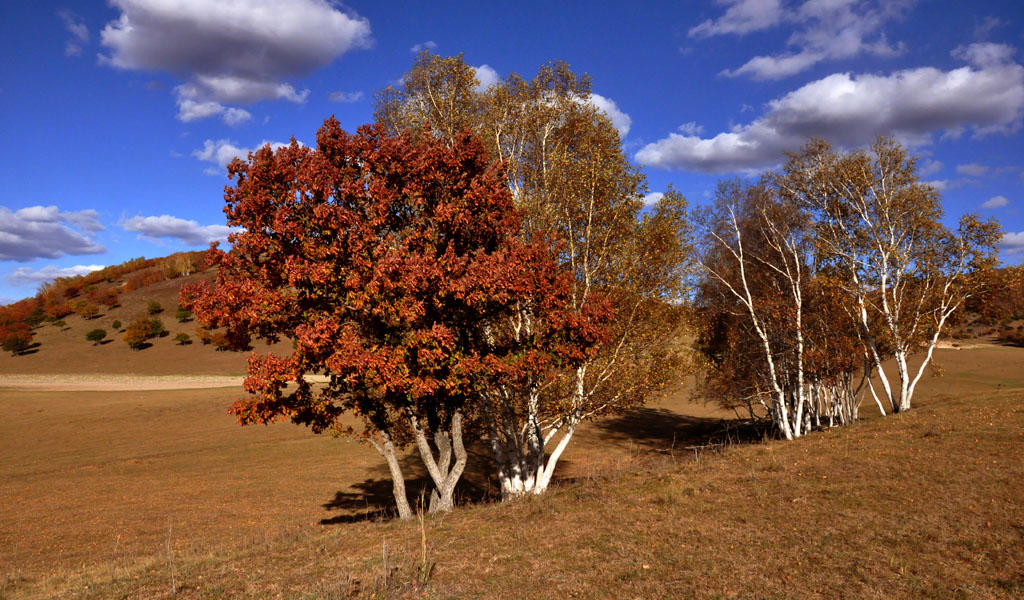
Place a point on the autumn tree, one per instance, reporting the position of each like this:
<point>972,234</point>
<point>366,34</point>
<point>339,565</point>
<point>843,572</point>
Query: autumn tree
<point>386,258</point>
<point>580,195</point>
<point>137,334</point>
<point>777,342</point>
<point>14,339</point>
<point>879,230</point>
<point>142,330</point>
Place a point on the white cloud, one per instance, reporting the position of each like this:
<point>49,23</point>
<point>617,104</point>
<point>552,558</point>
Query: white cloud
<point>938,184</point>
<point>1013,243</point>
<point>234,116</point>
<point>28,276</point>
<point>620,120</point>
<point>742,16</point>
<point>850,110</point>
<point>972,169</point>
<point>231,52</point>
<point>995,202</point>
<point>486,76</point>
<point>691,128</point>
<point>424,46</point>
<point>45,232</point>
<point>826,30</point>
<point>653,198</point>
<point>79,33</point>
<point>929,167</point>
<point>192,108</point>
<point>222,152</point>
<point>347,97</point>
<point>166,226</point>
<point>985,54</point>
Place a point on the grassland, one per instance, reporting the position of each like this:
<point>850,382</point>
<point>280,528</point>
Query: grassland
<point>149,493</point>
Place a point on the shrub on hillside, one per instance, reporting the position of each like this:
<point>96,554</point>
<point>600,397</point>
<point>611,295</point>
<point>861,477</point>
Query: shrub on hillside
<point>88,311</point>
<point>96,336</point>
<point>183,314</point>
<point>220,341</point>
<point>205,335</point>
<point>58,311</point>
<point>183,339</point>
<point>37,316</point>
<point>156,328</point>
<point>116,325</point>
<point>153,307</point>
<point>60,323</point>
<point>138,333</point>
<point>16,342</point>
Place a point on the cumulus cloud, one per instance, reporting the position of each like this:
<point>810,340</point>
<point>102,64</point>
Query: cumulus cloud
<point>938,184</point>
<point>424,46</point>
<point>995,202</point>
<point>620,120</point>
<point>166,226</point>
<point>46,232</point>
<point>850,110</point>
<point>486,76</point>
<point>231,52</point>
<point>1012,243</point>
<point>222,152</point>
<point>825,30</point>
<point>79,33</point>
<point>28,276</point>
<point>972,169</point>
<point>347,97</point>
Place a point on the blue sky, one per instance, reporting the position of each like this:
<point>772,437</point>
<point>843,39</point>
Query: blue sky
<point>120,115</point>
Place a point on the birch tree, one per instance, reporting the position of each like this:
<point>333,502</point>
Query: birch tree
<point>775,337</point>
<point>904,273</point>
<point>579,194</point>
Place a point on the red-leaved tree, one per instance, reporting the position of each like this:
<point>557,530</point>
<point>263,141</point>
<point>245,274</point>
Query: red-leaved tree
<point>383,258</point>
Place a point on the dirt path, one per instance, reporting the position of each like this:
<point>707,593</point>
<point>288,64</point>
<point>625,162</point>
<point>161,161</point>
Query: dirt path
<point>107,383</point>
<point>123,382</point>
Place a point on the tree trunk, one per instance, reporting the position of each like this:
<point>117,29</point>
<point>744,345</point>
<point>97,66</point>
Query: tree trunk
<point>903,404</point>
<point>387,450</point>
<point>445,479</point>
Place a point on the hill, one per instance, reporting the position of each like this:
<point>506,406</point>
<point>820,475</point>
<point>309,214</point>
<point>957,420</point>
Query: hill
<point>119,294</point>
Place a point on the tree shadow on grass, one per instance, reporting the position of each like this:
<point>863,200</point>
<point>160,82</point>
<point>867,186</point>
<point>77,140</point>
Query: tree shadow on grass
<point>30,349</point>
<point>373,499</point>
<point>661,430</point>
<point>656,430</point>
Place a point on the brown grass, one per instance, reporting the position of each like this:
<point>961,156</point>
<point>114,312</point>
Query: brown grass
<point>922,505</point>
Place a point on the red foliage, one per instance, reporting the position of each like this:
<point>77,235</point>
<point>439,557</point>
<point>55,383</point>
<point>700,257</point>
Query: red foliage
<point>58,311</point>
<point>384,259</point>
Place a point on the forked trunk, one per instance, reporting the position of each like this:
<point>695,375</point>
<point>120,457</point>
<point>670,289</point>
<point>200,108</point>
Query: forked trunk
<point>443,472</point>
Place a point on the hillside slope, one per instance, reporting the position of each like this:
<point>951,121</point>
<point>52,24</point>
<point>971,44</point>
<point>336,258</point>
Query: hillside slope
<point>61,350</point>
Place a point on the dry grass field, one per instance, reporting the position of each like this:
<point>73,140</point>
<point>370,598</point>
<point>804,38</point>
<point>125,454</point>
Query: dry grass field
<point>141,493</point>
